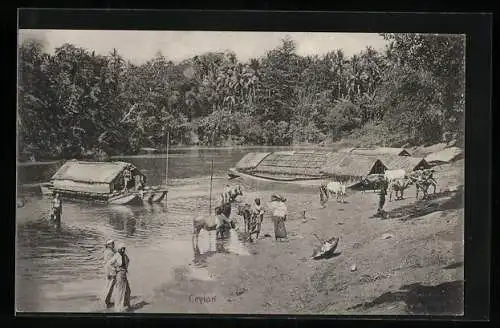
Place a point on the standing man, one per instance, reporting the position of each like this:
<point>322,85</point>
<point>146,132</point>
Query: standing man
<point>109,272</point>
<point>384,185</point>
<point>126,178</point>
<point>227,194</point>
<point>57,210</point>
<point>120,262</point>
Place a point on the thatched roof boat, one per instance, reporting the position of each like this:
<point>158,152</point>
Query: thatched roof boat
<point>313,167</point>
<point>375,151</point>
<point>444,156</point>
<point>98,181</point>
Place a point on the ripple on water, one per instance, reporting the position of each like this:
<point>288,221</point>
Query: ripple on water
<point>65,266</point>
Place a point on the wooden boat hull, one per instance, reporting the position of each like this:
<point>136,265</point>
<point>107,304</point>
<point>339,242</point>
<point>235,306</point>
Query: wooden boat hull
<point>324,252</point>
<point>46,189</point>
<point>159,196</point>
<point>125,199</point>
<point>307,182</point>
<point>154,196</point>
<point>312,181</point>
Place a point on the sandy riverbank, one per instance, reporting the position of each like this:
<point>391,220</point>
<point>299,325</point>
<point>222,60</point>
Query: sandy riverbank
<point>410,263</point>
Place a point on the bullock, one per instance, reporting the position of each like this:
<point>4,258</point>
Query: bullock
<point>332,188</point>
<point>372,182</point>
<point>423,179</point>
<point>231,193</point>
<point>398,182</point>
<point>220,222</point>
<point>398,186</point>
<point>395,174</point>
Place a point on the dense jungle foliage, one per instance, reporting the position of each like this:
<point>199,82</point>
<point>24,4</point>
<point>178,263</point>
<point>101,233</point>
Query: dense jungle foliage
<point>74,102</point>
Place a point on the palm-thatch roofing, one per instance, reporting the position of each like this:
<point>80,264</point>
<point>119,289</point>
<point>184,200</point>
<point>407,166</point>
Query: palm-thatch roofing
<point>92,172</point>
<point>392,151</point>
<point>299,163</point>
<point>346,149</point>
<point>355,166</point>
<point>251,160</point>
<point>376,151</point>
<point>445,156</point>
<point>407,163</point>
<point>149,150</point>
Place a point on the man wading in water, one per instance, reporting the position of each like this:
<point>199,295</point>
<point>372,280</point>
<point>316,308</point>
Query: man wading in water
<point>110,273</point>
<point>56,211</point>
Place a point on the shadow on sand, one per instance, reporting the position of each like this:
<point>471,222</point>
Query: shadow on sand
<point>200,259</point>
<point>137,306</point>
<point>435,202</point>
<point>442,299</point>
<point>328,256</point>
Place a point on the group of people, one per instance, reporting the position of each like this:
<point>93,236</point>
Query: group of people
<point>117,289</point>
<point>279,215</point>
<point>278,208</point>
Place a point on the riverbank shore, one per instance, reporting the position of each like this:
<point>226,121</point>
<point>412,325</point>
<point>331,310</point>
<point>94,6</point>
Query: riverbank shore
<point>409,263</point>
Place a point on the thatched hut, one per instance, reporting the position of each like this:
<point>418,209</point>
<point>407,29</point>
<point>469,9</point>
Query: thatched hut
<point>251,160</point>
<point>293,163</point>
<point>352,168</point>
<point>407,163</point>
<point>446,155</point>
<point>393,151</point>
<point>376,151</point>
<point>92,178</point>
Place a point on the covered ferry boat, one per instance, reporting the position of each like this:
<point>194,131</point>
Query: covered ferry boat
<point>102,182</point>
<point>313,167</point>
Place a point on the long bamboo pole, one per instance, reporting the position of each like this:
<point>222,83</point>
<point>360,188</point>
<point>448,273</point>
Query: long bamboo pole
<point>211,178</point>
<point>166,167</point>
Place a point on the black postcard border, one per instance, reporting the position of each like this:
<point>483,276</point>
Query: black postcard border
<point>478,29</point>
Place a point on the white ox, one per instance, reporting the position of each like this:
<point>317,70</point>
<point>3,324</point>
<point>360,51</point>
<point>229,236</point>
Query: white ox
<point>394,174</point>
<point>332,188</point>
<point>398,182</point>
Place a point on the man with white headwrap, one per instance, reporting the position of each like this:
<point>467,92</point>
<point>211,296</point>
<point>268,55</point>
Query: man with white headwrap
<point>109,272</point>
<point>120,263</point>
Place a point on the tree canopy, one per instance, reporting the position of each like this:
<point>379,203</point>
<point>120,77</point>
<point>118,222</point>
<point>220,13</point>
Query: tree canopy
<point>75,102</point>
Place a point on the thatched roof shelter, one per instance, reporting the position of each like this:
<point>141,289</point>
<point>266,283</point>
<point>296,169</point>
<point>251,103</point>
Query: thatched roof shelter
<point>407,163</point>
<point>296,163</point>
<point>376,151</point>
<point>445,156</point>
<point>251,160</point>
<point>393,151</point>
<point>352,167</point>
<point>346,149</point>
<point>90,177</point>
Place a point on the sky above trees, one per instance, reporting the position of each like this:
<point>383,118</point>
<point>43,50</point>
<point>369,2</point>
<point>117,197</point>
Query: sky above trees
<point>140,46</point>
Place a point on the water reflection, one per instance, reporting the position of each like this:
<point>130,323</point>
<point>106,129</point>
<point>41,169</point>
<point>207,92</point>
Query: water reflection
<point>66,263</point>
<point>200,259</point>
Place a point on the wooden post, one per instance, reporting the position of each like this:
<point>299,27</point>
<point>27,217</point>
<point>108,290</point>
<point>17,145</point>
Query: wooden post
<point>166,167</point>
<point>211,177</point>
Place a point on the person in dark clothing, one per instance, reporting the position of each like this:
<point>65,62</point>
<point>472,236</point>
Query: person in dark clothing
<point>384,185</point>
<point>56,211</point>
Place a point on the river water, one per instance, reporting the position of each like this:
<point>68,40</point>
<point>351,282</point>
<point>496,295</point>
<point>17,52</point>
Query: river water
<point>61,270</point>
